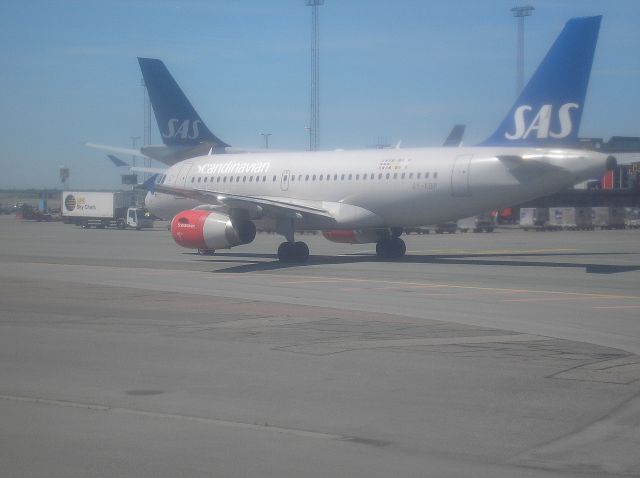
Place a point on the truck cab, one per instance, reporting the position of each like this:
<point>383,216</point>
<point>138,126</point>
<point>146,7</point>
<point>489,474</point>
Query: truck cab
<point>138,217</point>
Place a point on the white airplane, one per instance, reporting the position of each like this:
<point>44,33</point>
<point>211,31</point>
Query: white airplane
<point>368,196</point>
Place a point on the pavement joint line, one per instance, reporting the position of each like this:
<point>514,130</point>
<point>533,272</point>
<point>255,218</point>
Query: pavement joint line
<point>617,307</point>
<point>203,420</point>
<point>554,299</point>
<point>425,285</point>
<point>330,279</point>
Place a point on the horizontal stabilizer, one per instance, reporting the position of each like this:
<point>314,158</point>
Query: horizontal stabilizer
<point>142,169</point>
<point>116,149</point>
<point>117,161</point>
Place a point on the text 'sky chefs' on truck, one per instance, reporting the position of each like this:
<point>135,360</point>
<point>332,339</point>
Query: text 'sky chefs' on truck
<point>104,209</point>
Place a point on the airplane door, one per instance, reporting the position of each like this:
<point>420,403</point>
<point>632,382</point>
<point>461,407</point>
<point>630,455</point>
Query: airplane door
<point>184,174</point>
<point>460,176</point>
<point>284,181</point>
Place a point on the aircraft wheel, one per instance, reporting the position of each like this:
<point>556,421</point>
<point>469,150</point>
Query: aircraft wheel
<point>382,248</point>
<point>398,248</point>
<point>286,252</point>
<point>301,251</point>
<point>293,252</point>
<point>393,248</point>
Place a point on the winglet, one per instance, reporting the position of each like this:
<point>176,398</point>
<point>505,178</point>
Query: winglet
<point>455,136</point>
<point>549,109</point>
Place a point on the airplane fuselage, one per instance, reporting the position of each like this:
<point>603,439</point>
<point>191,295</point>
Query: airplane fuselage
<point>381,188</point>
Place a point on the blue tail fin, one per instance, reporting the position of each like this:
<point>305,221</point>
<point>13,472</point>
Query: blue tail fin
<point>549,109</point>
<point>178,121</point>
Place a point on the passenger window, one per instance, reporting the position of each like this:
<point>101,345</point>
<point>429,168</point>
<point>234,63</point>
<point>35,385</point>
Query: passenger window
<point>342,177</point>
<point>193,179</point>
<point>410,175</point>
<point>418,175</point>
<point>379,175</point>
<point>402,176</point>
<point>395,175</point>
<point>250,179</point>
<point>205,179</point>
<point>230,179</point>
<point>426,175</point>
<point>274,179</point>
<point>244,179</point>
<point>320,178</point>
<point>350,176</point>
<point>218,180</point>
<point>306,178</point>
<point>435,175</point>
<point>313,178</point>
<point>335,177</point>
<point>388,175</point>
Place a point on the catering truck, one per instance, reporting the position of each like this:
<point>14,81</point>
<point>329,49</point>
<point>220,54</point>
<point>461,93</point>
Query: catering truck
<point>104,209</point>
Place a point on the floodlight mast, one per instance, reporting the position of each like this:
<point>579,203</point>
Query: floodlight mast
<point>314,120</point>
<point>520,13</point>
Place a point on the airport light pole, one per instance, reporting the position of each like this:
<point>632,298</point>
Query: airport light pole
<point>520,13</point>
<point>134,140</point>
<point>314,123</point>
<point>266,139</point>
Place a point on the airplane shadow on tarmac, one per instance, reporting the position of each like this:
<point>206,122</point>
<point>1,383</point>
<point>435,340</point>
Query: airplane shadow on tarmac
<point>448,259</point>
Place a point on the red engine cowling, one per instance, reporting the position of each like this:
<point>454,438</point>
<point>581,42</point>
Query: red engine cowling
<point>352,236</point>
<point>209,230</point>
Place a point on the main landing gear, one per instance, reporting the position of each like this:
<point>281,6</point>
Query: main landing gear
<point>293,252</point>
<point>390,248</point>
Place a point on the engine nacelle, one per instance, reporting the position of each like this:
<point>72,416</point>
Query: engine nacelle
<point>209,230</point>
<point>352,236</point>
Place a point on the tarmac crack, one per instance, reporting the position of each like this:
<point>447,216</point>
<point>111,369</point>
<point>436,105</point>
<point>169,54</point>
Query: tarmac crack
<point>261,427</point>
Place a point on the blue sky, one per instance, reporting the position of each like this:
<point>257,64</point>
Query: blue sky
<point>405,70</point>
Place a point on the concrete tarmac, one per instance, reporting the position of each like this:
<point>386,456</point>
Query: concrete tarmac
<point>499,355</point>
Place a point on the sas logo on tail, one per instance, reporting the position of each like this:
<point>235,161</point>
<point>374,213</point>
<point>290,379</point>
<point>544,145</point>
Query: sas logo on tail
<point>185,129</point>
<point>541,123</point>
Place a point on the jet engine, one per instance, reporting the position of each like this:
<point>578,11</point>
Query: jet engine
<point>352,236</point>
<point>208,230</point>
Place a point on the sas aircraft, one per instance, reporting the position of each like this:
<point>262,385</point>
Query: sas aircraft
<point>369,196</point>
<point>184,134</point>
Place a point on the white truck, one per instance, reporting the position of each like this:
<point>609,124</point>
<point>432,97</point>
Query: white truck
<point>104,209</point>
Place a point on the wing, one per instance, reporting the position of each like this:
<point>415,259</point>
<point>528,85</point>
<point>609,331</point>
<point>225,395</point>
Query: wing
<point>269,205</point>
<point>116,149</point>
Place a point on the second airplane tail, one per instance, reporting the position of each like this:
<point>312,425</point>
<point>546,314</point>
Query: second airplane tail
<point>549,108</point>
<point>178,121</point>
